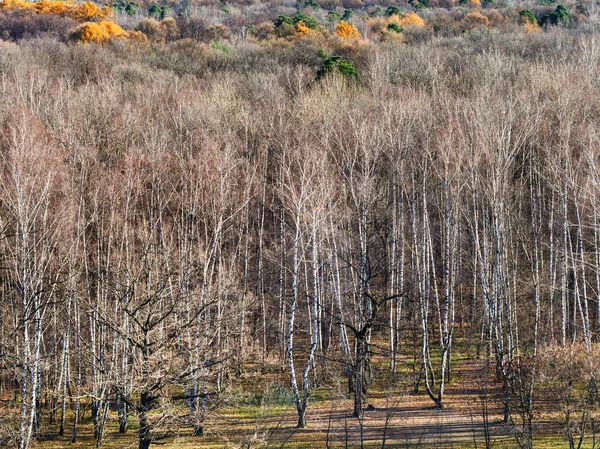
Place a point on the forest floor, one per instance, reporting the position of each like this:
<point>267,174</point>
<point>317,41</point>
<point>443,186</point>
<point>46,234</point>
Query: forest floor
<point>261,414</point>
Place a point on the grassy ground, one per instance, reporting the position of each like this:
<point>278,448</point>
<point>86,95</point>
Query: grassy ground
<point>260,413</point>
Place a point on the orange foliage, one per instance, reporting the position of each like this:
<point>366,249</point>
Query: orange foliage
<point>475,2</point>
<point>98,33</point>
<point>86,11</point>
<point>379,25</point>
<point>90,11</point>
<point>302,29</point>
<point>346,30</point>
<point>411,19</point>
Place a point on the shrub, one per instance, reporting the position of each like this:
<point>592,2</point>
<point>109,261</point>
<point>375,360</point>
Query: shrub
<point>220,46</point>
<point>280,396</point>
<point>528,16</point>
<point>346,30</point>
<point>97,32</point>
<point>476,20</point>
<point>283,20</point>
<point>334,17</point>
<point>309,21</point>
<point>189,50</point>
<point>159,12</point>
<point>394,24</point>
<point>155,11</point>
<point>560,16</point>
<point>411,19</point>
<point>287,26</point>
<point>263,31</point>
<point>336,64</point>
<point>285,30</point>
<point>496,19</point>
<point>130,8</point>
<point>171,28</point>
<point>394,27</point>
<point>89,11</point>
<point>392,11</point>
<point>153,30</point>
<point>301,28</point>
<point>138,38</point>
<point>86,11</point>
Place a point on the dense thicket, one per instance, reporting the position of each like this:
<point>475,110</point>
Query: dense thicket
<point>173,215</point>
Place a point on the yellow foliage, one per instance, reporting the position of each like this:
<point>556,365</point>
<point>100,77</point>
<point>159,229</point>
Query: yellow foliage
<point>98,33</point>
<point>90,11</point>
<point>50,7</point>
<point>346,30</point>
<point>475,2</point>
<point>12,4</point>
<point>411,19</point>
<point>86,11</point>
<point>302,29</point>
<point>394,18</point>
<point>379,25</point>
<point>112,29</point>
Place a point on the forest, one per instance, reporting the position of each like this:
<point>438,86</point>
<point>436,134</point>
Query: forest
<point>331,223</point>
